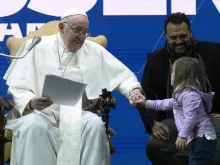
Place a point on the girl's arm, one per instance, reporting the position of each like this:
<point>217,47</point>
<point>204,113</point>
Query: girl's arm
<point>160,105</point>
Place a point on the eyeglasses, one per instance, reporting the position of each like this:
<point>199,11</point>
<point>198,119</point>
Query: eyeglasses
<point>77,31</point>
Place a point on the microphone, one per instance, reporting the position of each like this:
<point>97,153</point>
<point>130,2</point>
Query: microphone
<point>36,40</point>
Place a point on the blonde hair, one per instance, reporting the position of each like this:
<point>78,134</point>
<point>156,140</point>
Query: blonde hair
<point>188,75</point>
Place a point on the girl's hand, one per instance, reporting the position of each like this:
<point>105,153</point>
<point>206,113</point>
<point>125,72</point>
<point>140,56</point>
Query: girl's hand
<point>181,143</point>
<point>141,103</point>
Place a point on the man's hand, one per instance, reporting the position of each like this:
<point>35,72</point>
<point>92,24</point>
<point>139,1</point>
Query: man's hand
<point>216,116</point>
<point>40,103</point>
<point>160,131</point>
<point>181,143</point>
<point>135,96</point>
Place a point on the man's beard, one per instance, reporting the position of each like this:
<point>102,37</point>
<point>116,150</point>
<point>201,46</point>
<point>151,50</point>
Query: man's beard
<point>186,50</point>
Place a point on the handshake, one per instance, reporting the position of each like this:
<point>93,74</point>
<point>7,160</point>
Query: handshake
<point>137,99</point>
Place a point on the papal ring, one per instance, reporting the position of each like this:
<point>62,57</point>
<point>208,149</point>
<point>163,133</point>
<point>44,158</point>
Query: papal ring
<point>43,107</point>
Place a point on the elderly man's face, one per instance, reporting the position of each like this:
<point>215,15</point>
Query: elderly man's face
<point>179,38</point>
<point>74,32</point>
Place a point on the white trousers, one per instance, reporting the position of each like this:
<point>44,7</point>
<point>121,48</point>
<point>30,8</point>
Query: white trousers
<point>36,140</point>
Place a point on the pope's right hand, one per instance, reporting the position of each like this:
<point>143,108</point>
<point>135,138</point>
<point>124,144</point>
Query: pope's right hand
<point>40,103</point>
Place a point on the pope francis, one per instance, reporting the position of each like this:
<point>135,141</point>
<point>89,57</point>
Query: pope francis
<point>80,138</point>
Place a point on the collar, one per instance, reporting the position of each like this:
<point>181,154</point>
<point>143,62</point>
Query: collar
<point>60,41</point>
<point>61,44</point>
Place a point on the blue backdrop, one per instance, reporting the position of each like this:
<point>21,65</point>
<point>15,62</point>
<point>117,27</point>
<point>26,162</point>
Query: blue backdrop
<point>129,39</point>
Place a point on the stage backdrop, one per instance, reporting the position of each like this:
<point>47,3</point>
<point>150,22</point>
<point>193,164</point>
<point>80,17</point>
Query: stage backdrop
<point>133,28</point>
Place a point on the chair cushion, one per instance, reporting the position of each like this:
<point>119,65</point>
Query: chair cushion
<point>8,134</point>
<point>7,151</point>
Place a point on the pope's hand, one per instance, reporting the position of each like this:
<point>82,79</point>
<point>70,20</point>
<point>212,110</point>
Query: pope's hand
<point>141,103</point>
<point>40,103</point>
<point>135,96</point>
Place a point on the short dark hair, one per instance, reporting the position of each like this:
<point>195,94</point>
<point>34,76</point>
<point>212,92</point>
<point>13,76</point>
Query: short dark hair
<point>176,18</point>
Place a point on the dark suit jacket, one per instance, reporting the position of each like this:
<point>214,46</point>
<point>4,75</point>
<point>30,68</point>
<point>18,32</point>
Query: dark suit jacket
<point>156,75</point>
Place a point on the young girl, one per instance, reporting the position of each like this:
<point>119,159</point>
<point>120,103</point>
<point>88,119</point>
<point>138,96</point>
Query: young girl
<point>191,105</point>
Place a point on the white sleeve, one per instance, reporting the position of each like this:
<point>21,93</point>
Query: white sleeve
<point>128,85</point>
<point>21,97</point>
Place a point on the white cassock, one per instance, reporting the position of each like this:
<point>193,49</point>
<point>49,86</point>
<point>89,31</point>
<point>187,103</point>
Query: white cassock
<point>80,138</point>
